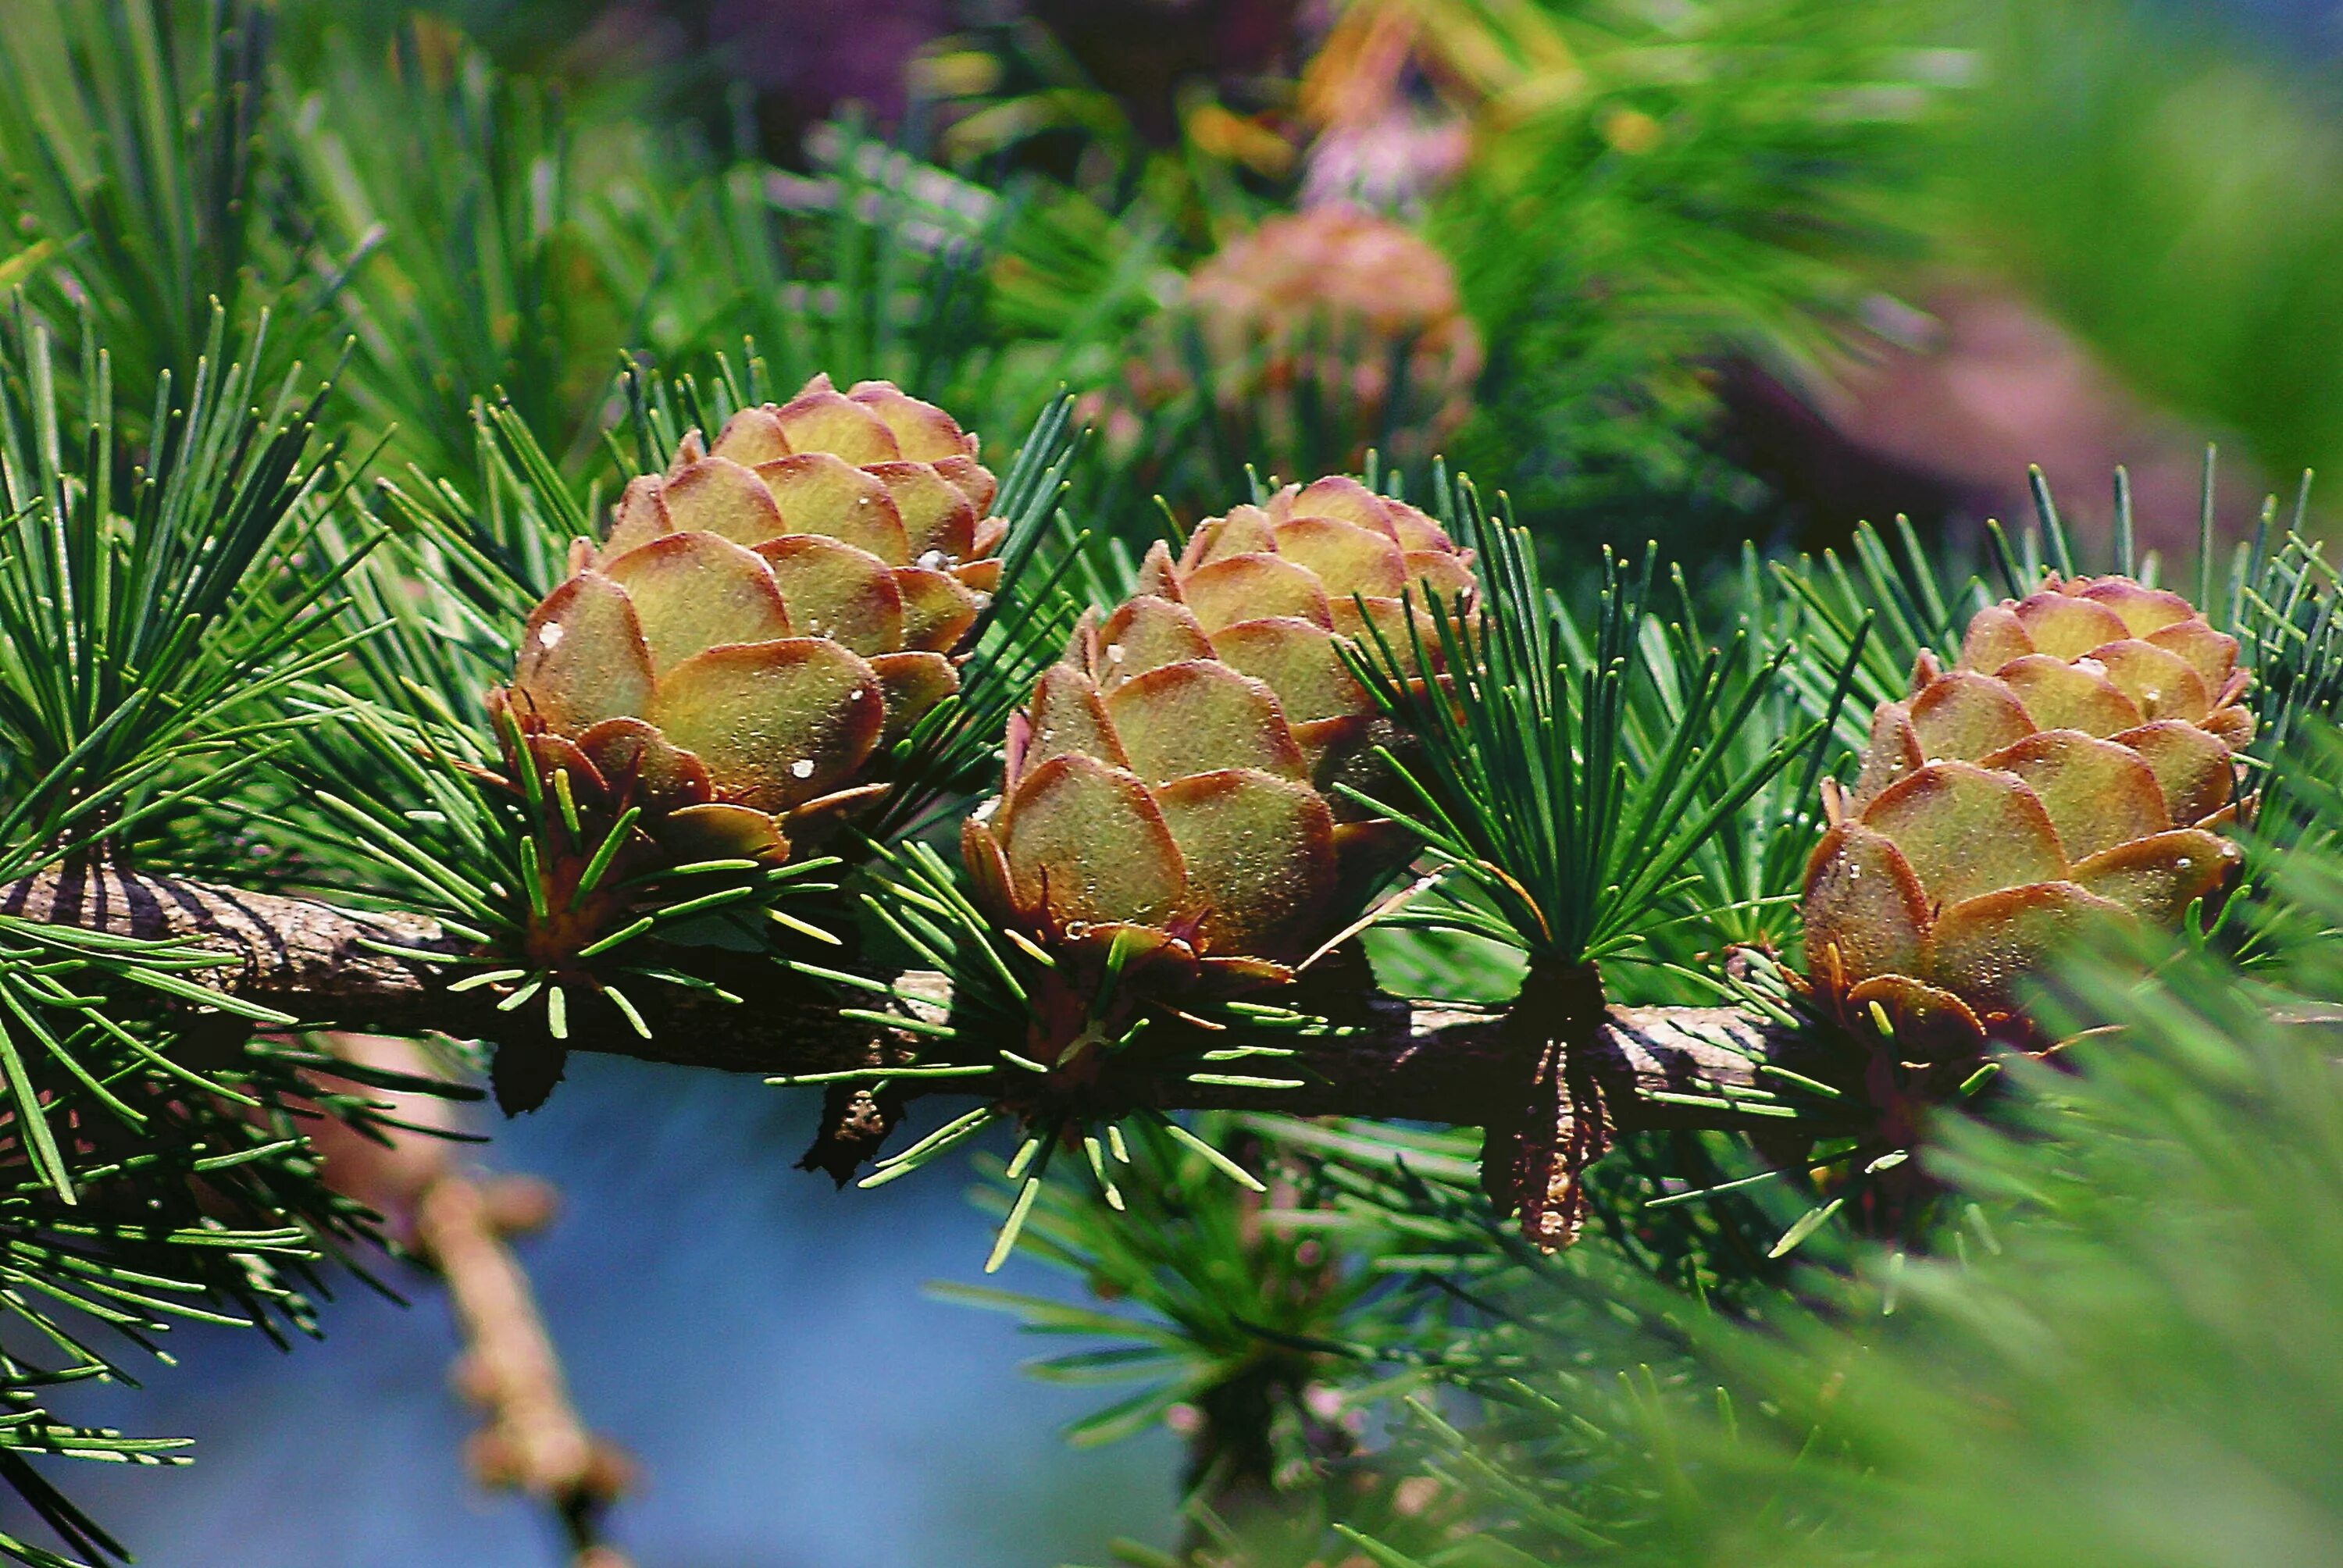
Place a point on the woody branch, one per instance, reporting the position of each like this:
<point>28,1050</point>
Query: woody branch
<point>326,966</point>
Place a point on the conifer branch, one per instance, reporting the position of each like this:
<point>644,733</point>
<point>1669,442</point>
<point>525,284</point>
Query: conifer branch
<point>329,966</point>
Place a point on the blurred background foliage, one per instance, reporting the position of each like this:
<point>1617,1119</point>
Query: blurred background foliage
<point>1762,265</point>
<point>1733,273</point>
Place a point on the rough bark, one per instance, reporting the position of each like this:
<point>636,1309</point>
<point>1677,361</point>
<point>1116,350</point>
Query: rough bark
<point>326,966</point>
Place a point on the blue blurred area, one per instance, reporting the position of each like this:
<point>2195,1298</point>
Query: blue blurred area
<point>2315,25</point>
<point>756,1340</point>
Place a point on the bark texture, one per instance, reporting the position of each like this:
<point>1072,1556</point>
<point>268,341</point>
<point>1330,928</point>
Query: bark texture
<point>328,966</point>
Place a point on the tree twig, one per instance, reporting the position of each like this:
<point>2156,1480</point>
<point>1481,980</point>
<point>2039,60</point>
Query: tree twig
<point>461,1225</point>
<point>332,967</point>
<point>532,1441</point>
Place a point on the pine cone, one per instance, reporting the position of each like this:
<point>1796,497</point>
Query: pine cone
<point>2080,760</point>
<point>1171,781</point>
<point>764,618</point>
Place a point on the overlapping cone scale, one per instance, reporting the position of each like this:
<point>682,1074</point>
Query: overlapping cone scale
<point>2078,760</point>
<point>764,619</point>
<point>1170,784</point>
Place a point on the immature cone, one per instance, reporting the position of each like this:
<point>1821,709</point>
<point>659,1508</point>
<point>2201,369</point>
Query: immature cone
<point>1354,302</point>
<point>1171,783</point>
<point>2079,760</point>
<point>764,618</point>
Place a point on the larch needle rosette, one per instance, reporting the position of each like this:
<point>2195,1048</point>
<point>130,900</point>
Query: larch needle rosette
<point>2080,760</point>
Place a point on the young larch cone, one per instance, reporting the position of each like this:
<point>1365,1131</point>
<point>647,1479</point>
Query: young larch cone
<point>764,618</point>
<point>2079,760</point>
<point>1170,785</point>
<point>1355,304</point>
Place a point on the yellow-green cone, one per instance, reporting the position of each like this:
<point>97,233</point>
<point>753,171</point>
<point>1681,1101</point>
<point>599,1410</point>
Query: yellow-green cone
<point>2078,760</point>
<point>763,619</point>
<point>1170,784</point>
<point>1358,310</point>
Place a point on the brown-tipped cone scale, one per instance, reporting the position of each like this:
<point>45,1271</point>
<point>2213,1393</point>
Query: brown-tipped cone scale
<point>2079,760</point>
<point>1169,786</point>
<point>764,619</point>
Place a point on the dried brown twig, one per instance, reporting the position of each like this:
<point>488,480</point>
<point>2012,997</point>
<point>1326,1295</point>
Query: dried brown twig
<point>461,1226</point>
<point>532,1441</point>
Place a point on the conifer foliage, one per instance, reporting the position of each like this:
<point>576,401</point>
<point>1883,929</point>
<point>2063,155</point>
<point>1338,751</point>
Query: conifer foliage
<point>474,567</point>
